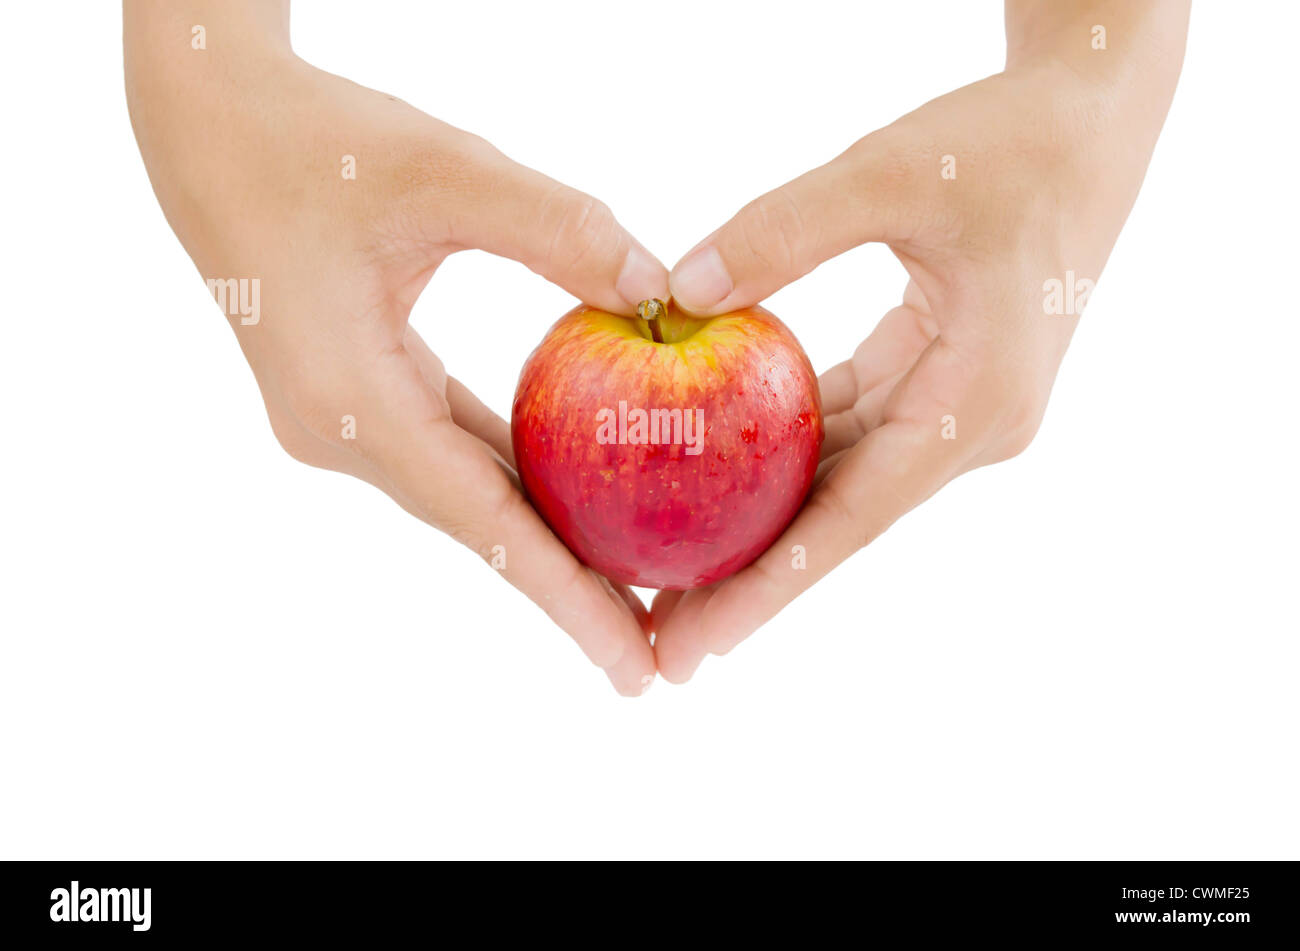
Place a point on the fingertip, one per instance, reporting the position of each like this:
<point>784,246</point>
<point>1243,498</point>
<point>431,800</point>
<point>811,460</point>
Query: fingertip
<point>679,651</point>
<point>605,652</point>
<point>631,689</point>
<point>643,685</point>
<point>677,668</point>
<point>642,277</point>
<point>721,638</point>
<point>700,281</point>
<point>634,674</point>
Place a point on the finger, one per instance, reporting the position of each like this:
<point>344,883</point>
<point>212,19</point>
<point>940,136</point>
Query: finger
<point>891,470</point>
<point>827,466</point>
<point>681,655</point>
<point>843,431</point>
<point>569,238</point>
<point>449,478</point>
<point>466,410</point>
<point>839,388</point>
<point>662,606</point>
<point>628,676</point>
<point>880,362</point>
<point>634,603</point>
<point>781,236</point>
<point>892,347</point>
<point>470,414</point>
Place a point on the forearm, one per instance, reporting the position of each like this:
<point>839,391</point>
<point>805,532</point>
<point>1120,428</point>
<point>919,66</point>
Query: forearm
<point>197,73</point>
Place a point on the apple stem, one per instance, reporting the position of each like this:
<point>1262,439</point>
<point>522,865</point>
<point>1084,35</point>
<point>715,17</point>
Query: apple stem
<point>650,311</point>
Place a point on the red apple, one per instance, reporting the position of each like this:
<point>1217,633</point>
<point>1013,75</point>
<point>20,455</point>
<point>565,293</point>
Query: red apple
<point>667,451</point>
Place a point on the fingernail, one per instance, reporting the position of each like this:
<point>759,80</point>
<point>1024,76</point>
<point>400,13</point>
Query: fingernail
<point>647,682</point>
<point>642,277</point>
<point>701,281</point>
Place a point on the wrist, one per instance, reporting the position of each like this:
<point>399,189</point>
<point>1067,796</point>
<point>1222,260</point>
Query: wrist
<point>192,44</point>
<point>1125,51</point>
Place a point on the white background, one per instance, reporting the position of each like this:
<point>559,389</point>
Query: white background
<point>208,650</point>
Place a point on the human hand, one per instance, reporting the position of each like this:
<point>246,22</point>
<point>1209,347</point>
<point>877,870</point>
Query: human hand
<point>985,195</point>
<point>245,147</point>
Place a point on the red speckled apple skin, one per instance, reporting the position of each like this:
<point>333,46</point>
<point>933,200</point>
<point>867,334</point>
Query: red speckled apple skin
<point>656,515</point>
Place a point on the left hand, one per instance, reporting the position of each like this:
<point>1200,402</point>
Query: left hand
<point>1048,157</point>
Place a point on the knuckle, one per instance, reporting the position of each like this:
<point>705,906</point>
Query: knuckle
<point>1023,405</point>
<point>474,527</point>
<point>883,165</point>
<point>476,149</point>
<point>460,529</point>
<point>1020,433</point>
<point>302,392</point>
<point>583,227</point>
<point>299,445</point>
<point>311,402</point>
<point>831,501</point>
<point>773,229</point>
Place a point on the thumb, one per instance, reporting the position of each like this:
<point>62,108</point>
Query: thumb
<point>781,236</point>
<point>566,236</point>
